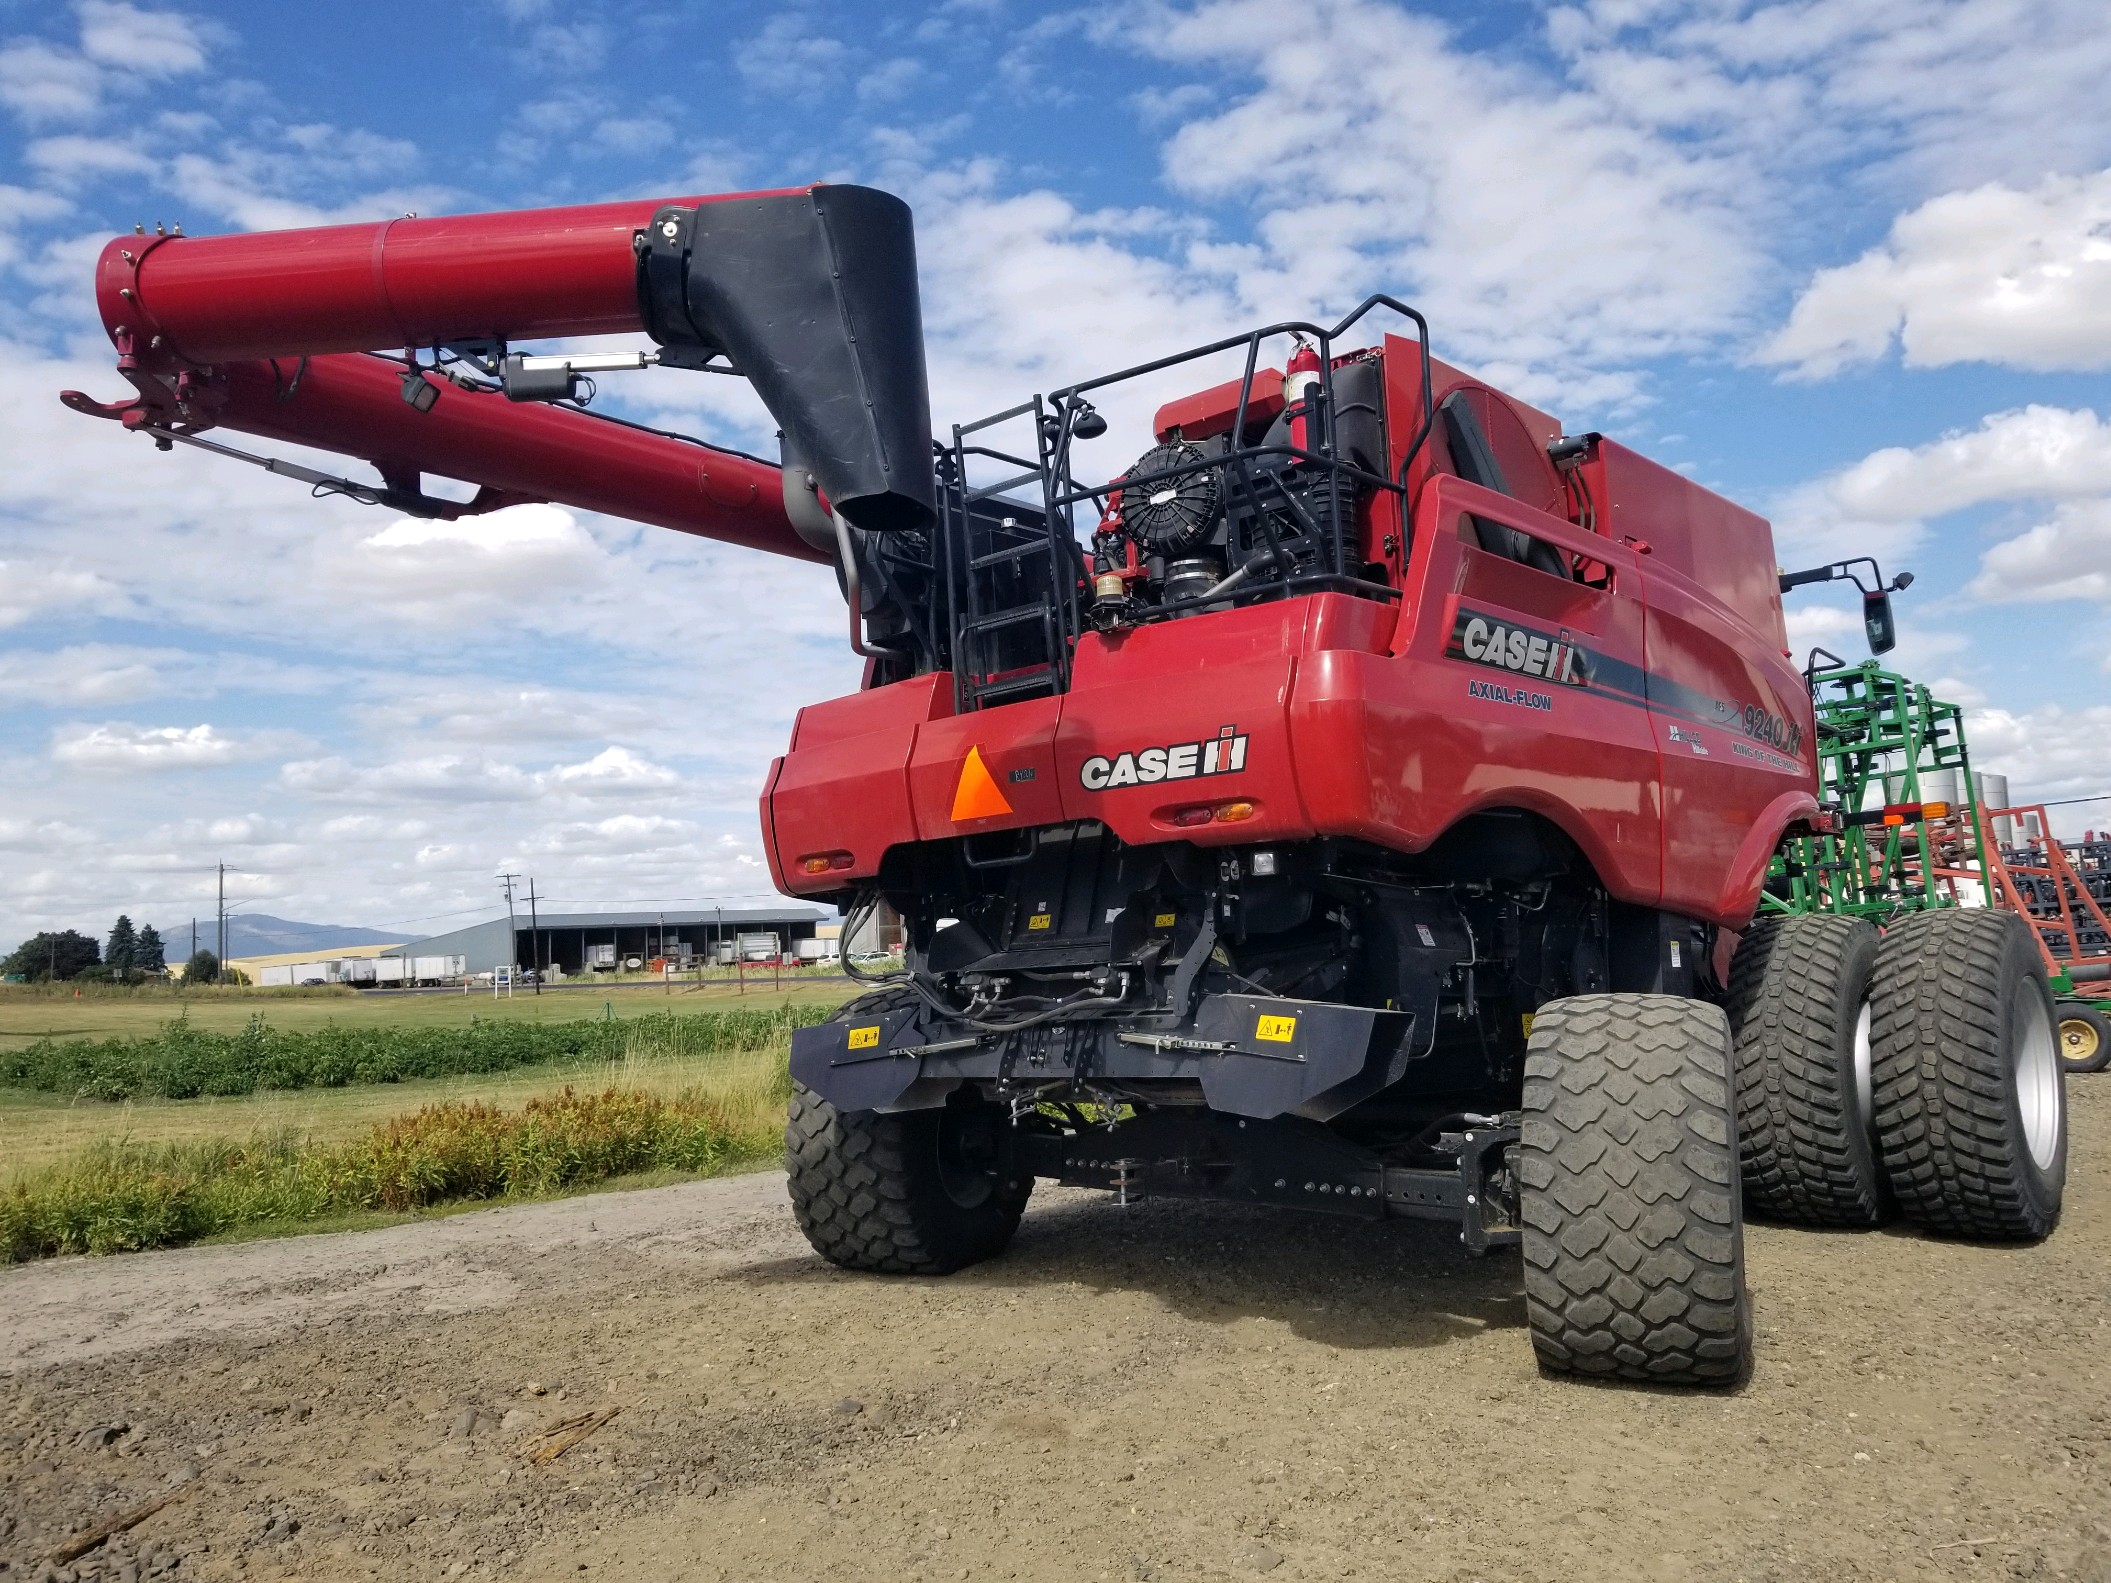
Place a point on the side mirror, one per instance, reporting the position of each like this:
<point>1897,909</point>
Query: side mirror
<point>1878,623</point>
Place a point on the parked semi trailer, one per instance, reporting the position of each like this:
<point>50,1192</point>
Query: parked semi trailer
<point>1359,801</point>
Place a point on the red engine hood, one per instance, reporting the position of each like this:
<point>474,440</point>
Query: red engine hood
<point>1159,720</point>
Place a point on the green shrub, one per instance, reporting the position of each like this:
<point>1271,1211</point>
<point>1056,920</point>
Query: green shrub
<point>121,1197</point>
<point>183,1062</point>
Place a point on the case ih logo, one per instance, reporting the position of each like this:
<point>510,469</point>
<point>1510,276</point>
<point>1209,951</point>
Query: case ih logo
<point>1222,754</point>
<point>1486,640</point>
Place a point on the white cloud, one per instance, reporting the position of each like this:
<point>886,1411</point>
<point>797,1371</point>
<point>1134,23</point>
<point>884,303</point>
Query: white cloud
<point>74,155</point>
<point>151,43</point>
<point>119,745</point>
<point>890,80</point>
<point>91,674</point>
<point>121,48</point>
<point>1543,231</point>
<point>2066,557</point>
<point>2031,453</point>
<point>85,674</point>
<point>451,778</point>
<point>613,770</point>
<point>789,58</point>
<point>1992,275</point>
<point>1881,504</point>
<point>1900,92</point>
<point>40,83</point>
<point>474,778</point>
<point>2046,753</point>
<point>28,591</point>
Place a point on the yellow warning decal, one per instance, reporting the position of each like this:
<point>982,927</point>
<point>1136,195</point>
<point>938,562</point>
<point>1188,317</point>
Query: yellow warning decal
<point>1039,920</point>
<point>1165,920</point>
<point>1276,1030</point>
<point>1528,1025</point>
<point>865,1038</point>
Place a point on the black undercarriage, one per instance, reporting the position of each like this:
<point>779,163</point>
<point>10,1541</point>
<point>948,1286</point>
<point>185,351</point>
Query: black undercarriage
<point>1323,1024</point>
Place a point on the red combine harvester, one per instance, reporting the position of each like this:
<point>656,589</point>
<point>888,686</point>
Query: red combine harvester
<point>1351,804</point>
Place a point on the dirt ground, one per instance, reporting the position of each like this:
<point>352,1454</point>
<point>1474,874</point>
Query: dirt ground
<point>1167,1392</point>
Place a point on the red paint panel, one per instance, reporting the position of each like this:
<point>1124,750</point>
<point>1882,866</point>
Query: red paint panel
<point>1735,726</point>
<point>1018,749</point>
<point>353,288</point>
<point>1714,542</point>
<point>899,704</point>
<point>1396,749</point>
<point>1213,411</point>
<point>1176,685</point>
<point>850,794</point>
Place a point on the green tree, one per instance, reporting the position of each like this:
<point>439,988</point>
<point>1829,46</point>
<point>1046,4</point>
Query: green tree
<point>51,955</point>
<point>148,953</point>
<point>123,947</point>
<point>202,968</point>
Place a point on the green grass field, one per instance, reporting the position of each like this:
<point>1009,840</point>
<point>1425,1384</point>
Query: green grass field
<point>83,1164</point>
<point>28,1014</point>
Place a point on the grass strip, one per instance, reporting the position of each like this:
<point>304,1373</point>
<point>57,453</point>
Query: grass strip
<point>122,1196</point>
<point>185,1062</point>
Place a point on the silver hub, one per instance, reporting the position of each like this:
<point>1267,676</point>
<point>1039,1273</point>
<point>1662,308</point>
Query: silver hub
<point>2037,1077</point>
<point>1864,1069</point>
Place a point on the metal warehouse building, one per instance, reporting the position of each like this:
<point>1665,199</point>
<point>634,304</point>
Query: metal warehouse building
<point>567,940</point>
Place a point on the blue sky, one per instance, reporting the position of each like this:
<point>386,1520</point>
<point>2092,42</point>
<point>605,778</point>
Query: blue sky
<point>1848,261</point>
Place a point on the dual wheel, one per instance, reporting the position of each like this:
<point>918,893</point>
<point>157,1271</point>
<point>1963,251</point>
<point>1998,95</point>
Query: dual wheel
<point>1849,1078</point>
<point>1920,1074</point>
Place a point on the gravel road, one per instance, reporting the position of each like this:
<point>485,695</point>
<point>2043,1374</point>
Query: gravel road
<point>1168,1392</point>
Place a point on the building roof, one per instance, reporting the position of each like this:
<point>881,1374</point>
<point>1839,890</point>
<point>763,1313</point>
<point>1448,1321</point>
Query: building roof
<point>790,912</point>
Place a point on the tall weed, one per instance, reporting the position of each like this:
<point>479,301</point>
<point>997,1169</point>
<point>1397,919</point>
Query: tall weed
<point>124,1196</point>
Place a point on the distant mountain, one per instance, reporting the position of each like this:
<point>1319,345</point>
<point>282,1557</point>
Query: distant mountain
<point>260,934</point>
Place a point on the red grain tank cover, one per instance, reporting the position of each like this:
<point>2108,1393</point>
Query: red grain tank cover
<point>1724,548</point>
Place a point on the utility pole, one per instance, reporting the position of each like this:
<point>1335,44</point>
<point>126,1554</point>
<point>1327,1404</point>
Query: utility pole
<point>512,938</point>
<point>222,915</point>
<point>535,936</point>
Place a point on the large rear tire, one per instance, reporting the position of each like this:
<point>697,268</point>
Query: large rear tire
<point>925,1192</point>
<point>1799,1025</point>
<point>2085,1037</point>
<point>1971,1101</point>
<point>1633,1234</point>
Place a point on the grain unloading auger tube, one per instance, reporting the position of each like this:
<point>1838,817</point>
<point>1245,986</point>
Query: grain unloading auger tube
<point>809,293</point>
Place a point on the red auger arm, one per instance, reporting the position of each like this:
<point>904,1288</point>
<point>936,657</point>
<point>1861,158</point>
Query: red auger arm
<point>806,291</point>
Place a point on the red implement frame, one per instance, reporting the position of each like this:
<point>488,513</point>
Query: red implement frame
<point>2076,906</point>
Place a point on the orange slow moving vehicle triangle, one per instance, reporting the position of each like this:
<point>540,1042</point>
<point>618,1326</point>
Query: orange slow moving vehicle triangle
<point>977,794</point>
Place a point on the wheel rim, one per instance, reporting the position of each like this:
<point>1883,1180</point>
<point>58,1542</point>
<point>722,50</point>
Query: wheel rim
<point>1864,1068</point>
<point>970,1149</point>
<point>2037,1077</point>
<point>2079,1041</point>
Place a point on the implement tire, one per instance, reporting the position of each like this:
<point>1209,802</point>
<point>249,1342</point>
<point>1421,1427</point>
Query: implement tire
<point>1633,1234</point>
<point>1799,1026</point>
<point>2085,1037</point>
<point>1971,1101</point>
<point>924,1192</point>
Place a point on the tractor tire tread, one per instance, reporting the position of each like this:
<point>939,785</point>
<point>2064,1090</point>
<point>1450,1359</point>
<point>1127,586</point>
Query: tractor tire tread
<point>1633,1235</point>
<point>860,1189</point>
<point>1806,1155</point>
<point>1942,1077</point>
